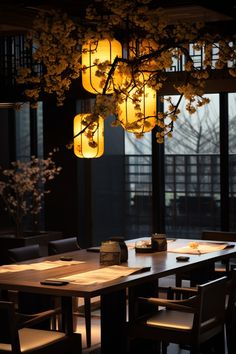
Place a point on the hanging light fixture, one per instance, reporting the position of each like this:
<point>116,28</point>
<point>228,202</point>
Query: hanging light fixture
<point>89,142</point>
<point>138,111</point>
<point>140,120</point>
<point>101,51</point>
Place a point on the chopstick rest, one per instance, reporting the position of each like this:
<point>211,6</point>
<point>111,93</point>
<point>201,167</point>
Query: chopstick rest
<point>54,282</point>
<point>182,258</point>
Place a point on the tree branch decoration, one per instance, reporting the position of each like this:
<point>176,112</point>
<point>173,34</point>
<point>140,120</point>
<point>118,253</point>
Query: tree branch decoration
<point>151,47</point>
<point>23,186</point>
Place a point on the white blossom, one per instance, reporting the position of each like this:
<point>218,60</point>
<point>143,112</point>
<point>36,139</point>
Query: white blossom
<point>23,186</point>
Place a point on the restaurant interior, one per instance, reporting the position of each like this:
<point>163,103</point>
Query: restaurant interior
<point>117,155</point>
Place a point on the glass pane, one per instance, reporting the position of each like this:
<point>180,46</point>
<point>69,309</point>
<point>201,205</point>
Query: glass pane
<point>23,133</point>
<point>23,147</point>
<point>197,133</point>
<point>138,187</point>
<point>134,146</point>
<point>194,203</point>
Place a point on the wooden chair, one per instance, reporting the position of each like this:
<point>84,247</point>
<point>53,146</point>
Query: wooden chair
<point>230,306</point>
<point>203,274</point>
<point>222,236</point>
<point>196,321</point>
<point>25,253</point>
<point>65,245</point>
<point>30,303</point>
<point>68,245</point>
<point>17,337</point>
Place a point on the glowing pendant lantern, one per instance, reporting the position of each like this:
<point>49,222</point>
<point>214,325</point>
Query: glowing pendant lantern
<point>143,120</point>
<point>101,51</point>
<point>89,143</point>
<point>138,111</point>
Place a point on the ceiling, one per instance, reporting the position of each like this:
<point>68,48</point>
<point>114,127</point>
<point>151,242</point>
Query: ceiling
<point>17,15</point>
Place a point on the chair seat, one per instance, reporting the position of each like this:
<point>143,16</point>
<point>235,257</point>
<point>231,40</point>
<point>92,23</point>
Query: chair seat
<point>168,319</point>
<point>33,338</point>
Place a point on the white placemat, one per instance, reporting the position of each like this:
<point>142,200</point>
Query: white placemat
<point>100,275</point>
<point>197,247</point>
<point>36,266</point>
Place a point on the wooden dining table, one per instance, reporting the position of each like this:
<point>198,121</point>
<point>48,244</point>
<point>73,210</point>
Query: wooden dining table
<point>151,266</point>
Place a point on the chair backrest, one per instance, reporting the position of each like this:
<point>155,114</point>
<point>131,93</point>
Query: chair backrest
<point>218,235</point>
<point>33,340</point>
<point>211,297</point>
<point>25,253</point>
<point>65,245</point>
<point>8,326</point>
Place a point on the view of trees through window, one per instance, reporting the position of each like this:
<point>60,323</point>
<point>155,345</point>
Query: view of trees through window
<point>192,174</point>
<point>192,171</point>
<point>197,133</point>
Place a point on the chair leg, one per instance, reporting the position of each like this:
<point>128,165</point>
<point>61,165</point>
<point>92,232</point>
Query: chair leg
<point>142,346</point>
<point>219,343</point>
<point>164,346</point>
<point>178,281</point>
<point>230,336</point>
<point>87,315</point>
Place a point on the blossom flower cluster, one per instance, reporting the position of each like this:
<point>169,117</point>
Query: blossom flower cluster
<point>56,41</point>
<point>152,45</point>
<point>23,186</point>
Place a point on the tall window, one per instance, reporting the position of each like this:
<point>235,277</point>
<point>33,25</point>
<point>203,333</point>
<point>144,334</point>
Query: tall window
<point>29,132</point>
<point>21,136</point>
<point>22,119</point>
<point>193,182</point>
<point>29,141</point>
<point>192,172</point>
<point>138,185</point>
